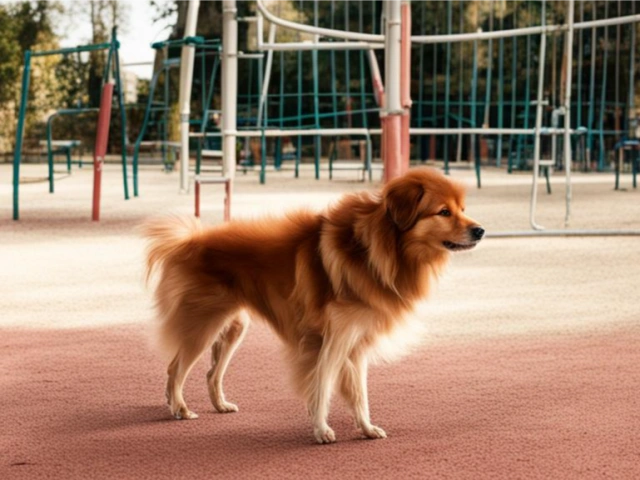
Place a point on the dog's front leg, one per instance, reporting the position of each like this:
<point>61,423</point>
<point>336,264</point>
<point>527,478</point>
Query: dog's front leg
<point>335,350</point>
<point>353,386</point>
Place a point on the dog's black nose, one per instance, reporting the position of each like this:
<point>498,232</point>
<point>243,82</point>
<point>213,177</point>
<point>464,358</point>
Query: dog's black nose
<point>477,233</point>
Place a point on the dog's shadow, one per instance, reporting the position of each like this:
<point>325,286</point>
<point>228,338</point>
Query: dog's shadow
<point>212,427</point>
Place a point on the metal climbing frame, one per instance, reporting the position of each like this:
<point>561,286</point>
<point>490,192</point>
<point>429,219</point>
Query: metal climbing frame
<point>393,105</point>
<point>396,101</point>
<point>566,131</point>
<point>203,49</point>
<point>113,60</point>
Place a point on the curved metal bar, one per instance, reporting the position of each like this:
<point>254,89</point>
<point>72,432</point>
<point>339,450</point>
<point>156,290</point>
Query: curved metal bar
<point>521,32</point>
<point>325,32</point>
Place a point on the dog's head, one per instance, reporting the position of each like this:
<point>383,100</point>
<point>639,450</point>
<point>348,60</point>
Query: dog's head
<point>428,210</point>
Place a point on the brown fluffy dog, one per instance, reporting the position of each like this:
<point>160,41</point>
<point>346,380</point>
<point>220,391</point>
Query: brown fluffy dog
<point>334,286</point>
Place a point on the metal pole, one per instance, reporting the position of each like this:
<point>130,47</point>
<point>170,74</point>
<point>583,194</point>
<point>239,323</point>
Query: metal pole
<point>50,151</point>
<point>393,105</point>
<point>536,141</point>
<point>603,93</point>
<point>579,72</point>
<point>447,88</point>
<point>421,83</point>
<point>487,98</point>
<point>527,98</point>
<point>299,138</point>
<point>460,86</point>
<point>405,84</point>
<point>474,91</point>
<point>500,88</point>
<point>316,105</point>
<point>229,86</point>
<point>17,154</point>
<point>617,109</point>
<point>514,91</point>
<point>567,113</point>
<point>592,92</point>
<point>327,32</point>
<point>631,111</point>
<point>278,156</point>
<point>267,76</point>
<point>123,114</point>
<point>434,101</point>
<point>186,77</point>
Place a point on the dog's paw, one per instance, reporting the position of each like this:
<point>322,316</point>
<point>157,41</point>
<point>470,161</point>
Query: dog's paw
<point>183,413</point>
<point>372,431</point>
<point>324,435</point>
<point>225,407</point>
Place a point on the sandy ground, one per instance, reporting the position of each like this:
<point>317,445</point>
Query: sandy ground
<point>530,371</point>
<point>60,270</point>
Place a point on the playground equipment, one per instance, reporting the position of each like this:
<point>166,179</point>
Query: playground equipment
<point>112,63</point>
<point>527,117</point>
<point>206,47</point>
<point>198,181</point>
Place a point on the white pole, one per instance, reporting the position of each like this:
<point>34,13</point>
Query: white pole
<point>267,75</point>
<point>536,139</point>
<point>186,76</point>
<point>392,57</point>
<point>229,86</point>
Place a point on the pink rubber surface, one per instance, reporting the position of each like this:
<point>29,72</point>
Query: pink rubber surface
<point>90,404</point>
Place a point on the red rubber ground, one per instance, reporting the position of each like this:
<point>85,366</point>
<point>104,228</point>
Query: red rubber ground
<point>90,404</point>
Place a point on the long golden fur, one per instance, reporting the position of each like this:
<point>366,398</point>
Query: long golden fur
<point>334,286</point>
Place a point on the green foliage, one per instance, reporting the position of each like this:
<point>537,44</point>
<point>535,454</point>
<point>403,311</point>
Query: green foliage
<point>10,55</point>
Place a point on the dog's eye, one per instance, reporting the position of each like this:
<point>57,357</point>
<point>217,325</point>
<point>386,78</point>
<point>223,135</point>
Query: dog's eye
<point>444,212</point>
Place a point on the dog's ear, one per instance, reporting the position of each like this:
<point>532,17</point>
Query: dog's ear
<point>401,199</point>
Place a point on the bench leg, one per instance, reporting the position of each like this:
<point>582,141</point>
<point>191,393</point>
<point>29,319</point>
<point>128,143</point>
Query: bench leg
<point>68,152</point>
<point>617,162</point>
<point>227,200</point>
<point>634,166</point>
<point>197,197</point>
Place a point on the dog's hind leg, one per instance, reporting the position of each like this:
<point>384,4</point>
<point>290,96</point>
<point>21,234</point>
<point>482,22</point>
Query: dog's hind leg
<point>353,386</point>
<point>221,352</point>
<point>194,334</point>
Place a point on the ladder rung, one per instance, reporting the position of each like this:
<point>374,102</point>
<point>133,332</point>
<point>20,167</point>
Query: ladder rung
<point>205,180</point>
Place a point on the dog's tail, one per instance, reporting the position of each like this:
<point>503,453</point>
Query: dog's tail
<point>169,238</point>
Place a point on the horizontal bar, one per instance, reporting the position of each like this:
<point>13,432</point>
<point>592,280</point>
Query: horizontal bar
<point>606,22</point>
<point>564,233</point>
<point>136,64</point>
<point>463,37</point>
<point>250,55</point>
<point>293,133</point>
<point>311,46</point>
<point>519,32</point>
<point>377,131</point>
<point>72,111</point>
<point>487,131</point>
<point>65,51</point>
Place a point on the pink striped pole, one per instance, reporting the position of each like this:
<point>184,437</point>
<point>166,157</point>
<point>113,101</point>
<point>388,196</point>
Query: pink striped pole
<point>100,148</point>
<point>393,111</point>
